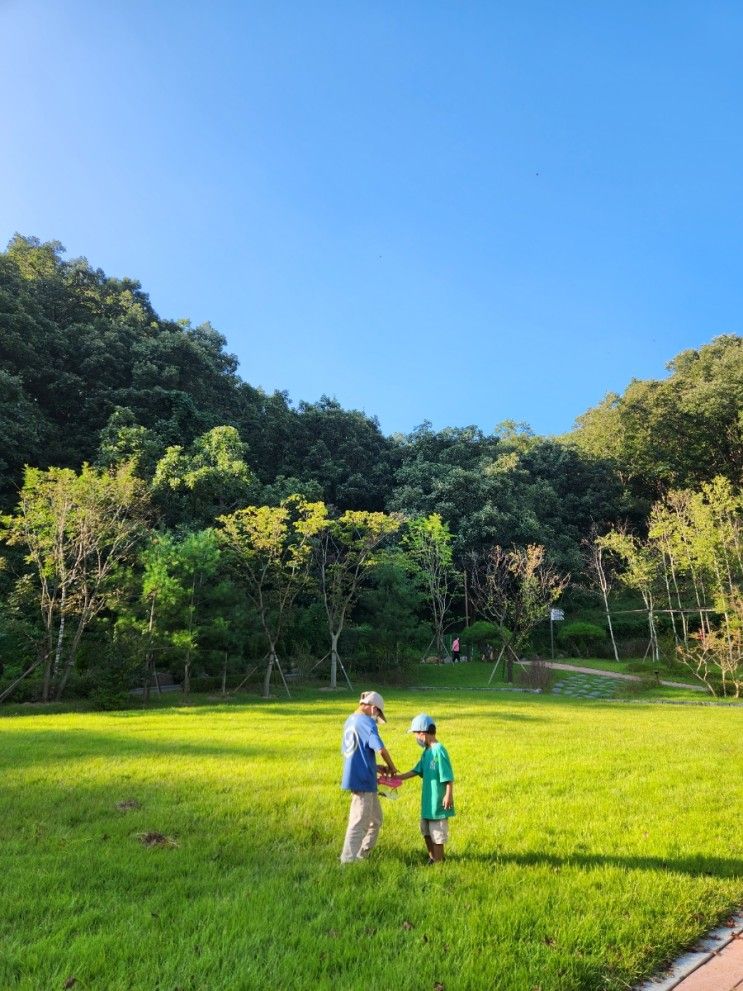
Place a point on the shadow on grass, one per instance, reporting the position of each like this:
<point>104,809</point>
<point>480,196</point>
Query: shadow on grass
<point>43,746</point>
<point>695,865</point>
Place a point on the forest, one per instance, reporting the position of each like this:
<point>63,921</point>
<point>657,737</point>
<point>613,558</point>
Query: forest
<point>164,520</point>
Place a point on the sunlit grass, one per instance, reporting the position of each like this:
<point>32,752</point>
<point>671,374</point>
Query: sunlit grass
<point>592,842</point>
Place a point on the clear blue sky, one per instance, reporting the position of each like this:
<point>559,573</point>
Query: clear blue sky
<point>462,212</point>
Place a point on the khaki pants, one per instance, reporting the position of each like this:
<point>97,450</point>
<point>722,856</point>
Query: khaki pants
<point>364,822</point>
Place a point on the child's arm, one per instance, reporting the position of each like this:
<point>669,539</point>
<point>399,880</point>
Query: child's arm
<point>448,801</point>
<point>407,774</point>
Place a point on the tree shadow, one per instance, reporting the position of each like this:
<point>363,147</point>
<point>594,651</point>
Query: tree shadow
<point>694,864</point>
<point>45,746</point>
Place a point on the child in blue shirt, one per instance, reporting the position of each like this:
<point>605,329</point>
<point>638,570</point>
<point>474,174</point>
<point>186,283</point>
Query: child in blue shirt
<point>437,793</point>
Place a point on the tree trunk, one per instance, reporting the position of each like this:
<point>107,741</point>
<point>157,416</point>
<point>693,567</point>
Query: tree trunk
<point>269,672</point>
<point>334,660</point>
<point>654,649</point>
<point>58,648</point>
<point>72,656</point>
<point>47,677</point>
<point>149,665</point>
<point>187,665</point>
<point>604,586</point>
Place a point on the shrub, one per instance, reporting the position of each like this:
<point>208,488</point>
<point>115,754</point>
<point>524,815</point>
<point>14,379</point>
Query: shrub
<point>482,631</point>
<point>644,684</point>
<point>110,688</point>
<point>536,676</point>
<point>485,636</point>
<point>206,683</point>
<point>28,690</point>
<point>582,639</point>
<point>626,627</point>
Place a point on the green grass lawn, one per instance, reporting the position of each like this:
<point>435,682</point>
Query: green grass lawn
<point>593,841</point>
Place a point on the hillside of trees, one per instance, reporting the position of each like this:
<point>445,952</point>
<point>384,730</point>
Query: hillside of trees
<point>163,514</point>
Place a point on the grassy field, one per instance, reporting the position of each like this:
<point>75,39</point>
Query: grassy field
<point>593,841</point>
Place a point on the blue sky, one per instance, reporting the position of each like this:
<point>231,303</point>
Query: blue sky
<point>461,212</point>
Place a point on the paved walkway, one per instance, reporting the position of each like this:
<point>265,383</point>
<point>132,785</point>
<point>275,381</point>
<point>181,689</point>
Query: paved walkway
<point>715,964</point>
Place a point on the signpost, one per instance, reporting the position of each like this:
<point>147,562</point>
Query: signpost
<point>556,616</point>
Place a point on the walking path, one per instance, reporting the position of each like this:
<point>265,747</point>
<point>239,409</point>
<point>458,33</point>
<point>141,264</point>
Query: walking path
<point>715,964</point>
<point>620,676</point>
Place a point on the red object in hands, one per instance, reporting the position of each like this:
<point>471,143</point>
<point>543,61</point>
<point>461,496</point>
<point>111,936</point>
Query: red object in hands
<point>389,782</point>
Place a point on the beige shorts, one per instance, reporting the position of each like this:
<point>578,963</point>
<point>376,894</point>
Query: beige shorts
<point>437,829</point>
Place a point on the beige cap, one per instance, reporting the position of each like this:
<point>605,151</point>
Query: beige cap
<point>373,698</point>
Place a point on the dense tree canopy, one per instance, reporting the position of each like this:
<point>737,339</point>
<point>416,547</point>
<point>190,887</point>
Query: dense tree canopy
<point>681,431</point>
<point>96,385</point>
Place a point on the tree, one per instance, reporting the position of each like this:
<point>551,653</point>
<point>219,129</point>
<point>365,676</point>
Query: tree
<point>640,571</point>
<point>271,548</point>
<point>515,589</point>
<point>718,653</point>
<point>176,576</point>
<point>196,560</point>
<point>427,543</point>
<point>344,450</point>
<point>123,439</point>
<point>677,432</point>
<point>508,488</point>
<point>345,553</point>
<point>209,480</point>
<point>692,557</point>
<point>79,531</point>
<point>601,576</point>
<point>388,630</point>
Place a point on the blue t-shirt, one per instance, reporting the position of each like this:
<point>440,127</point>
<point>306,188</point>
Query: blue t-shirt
<point>359,747</point>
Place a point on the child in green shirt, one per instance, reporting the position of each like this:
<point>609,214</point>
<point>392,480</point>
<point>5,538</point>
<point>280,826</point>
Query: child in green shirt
<point>437,793</point>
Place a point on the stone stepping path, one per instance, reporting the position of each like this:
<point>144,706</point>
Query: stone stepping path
<point>584,686</point>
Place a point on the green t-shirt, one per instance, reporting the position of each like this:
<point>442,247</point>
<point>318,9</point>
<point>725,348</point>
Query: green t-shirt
<point>435,769</point>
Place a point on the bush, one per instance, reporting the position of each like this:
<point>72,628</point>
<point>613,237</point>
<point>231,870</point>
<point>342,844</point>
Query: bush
<point>582,639</point>
<point>645,684</point>
<point>28,690</point>
<point>483,631</point>
<point>536,676</point>
<point>109,687</point>
<point>626,627</point>
<point>82,684</point>
<point>207,683</point>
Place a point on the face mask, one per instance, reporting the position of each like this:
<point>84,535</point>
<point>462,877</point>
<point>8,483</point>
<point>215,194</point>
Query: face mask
<point>421,743</point>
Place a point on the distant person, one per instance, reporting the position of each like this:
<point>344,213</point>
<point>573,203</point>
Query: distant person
<point>437,792</point>
<point>360,746</point>
<point>455,650</point>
